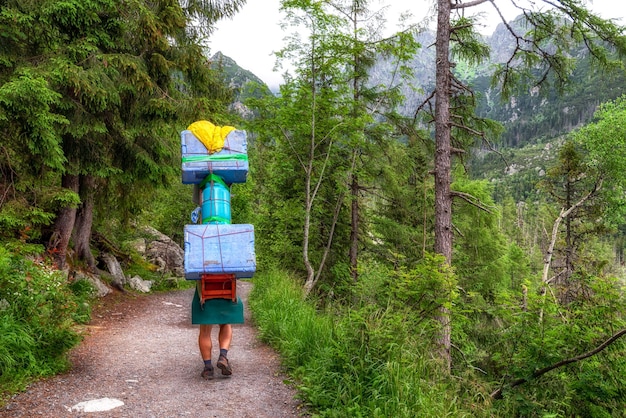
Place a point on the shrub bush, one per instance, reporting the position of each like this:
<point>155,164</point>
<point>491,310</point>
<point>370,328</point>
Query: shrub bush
<point>352,361</point>
<point>38,313</point>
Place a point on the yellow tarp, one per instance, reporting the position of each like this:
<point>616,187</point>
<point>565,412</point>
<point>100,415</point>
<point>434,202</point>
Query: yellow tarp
<point>211,136</point>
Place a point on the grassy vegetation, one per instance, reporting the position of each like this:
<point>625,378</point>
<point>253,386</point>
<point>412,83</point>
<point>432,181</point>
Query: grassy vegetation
<point>362,362</point>
<point>373,357</point>
<point>39,309</point>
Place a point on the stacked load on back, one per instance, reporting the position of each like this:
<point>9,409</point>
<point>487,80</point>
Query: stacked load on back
<point>216,246</point>
<point>216,251</point>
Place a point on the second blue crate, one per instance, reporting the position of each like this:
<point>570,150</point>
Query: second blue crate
<point>219,249</point>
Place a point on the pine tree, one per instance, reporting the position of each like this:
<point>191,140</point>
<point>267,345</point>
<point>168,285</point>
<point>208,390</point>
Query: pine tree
<point>541,56</point>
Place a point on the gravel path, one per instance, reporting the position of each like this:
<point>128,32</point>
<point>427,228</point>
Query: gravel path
<point>143,351</point>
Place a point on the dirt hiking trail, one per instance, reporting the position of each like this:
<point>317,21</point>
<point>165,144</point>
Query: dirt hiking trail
<point>142,351</point>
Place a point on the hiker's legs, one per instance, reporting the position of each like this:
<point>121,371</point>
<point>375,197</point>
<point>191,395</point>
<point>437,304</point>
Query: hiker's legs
<point>226,336</point>
<point>204,341</point>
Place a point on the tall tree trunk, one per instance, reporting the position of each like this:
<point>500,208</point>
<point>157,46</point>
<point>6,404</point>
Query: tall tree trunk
<point>443,198</point>
<point>64,225</point>
<point>84,222</point>
<point>354,185</point>
<point>310,272</point>
<point>310,195</point>
<point>354,228</point>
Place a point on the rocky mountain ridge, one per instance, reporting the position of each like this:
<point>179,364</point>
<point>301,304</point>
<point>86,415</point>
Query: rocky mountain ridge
<point>528,117</point>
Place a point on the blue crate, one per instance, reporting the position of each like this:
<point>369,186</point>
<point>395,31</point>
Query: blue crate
<point>219,249</point>
<point>231,164</point>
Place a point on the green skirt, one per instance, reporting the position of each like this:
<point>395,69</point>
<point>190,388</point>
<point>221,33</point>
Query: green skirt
<point>216,311</point>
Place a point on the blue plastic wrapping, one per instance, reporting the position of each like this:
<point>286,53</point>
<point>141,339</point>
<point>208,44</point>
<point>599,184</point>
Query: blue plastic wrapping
<point>218,249</point>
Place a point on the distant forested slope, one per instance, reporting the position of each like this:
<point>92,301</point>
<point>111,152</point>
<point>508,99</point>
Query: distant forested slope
<point>528,116</point>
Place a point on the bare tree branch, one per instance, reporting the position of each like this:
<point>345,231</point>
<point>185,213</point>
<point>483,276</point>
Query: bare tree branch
<point>497,394</point>
<point>468,4</point>
<point>472,200</point>
<point>555,229</point>
<point>423,104</point>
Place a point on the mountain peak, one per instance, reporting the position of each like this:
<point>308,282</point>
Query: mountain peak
<point>243,82</point>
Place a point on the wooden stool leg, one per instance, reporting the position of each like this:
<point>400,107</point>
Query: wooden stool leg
<point>222,286</point>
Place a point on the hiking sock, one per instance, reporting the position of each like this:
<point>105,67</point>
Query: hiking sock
<point>223,352</point>
<point>207,363</point>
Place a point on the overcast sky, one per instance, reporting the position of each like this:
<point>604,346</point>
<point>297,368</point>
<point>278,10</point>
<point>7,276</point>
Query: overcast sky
<point>254,34</point>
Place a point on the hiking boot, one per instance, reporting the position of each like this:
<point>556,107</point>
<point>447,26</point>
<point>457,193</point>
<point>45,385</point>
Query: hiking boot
<point>207,373</point>
<point>224,366</point>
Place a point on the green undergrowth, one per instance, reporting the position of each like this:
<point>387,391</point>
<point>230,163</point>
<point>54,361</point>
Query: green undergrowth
<point>355,362</point>
<point>39,311</point>
<point>371,351</point>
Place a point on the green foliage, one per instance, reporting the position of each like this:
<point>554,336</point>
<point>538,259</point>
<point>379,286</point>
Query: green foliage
<point>480,247</point>
<point>103,87</point>
<point>170,211</point>
<point>17,359</point>
<point>280,310</point>
<point>402,206</point>
<point>316,173</point>
<point>84,292</point>
<point>370,360</point>
<point>99,93</point>
<point>210,12</point>
<point>587,388</point>
<point>18,219</point>
<point>424,289</point>
<point>280,190</point>
<point>38,311</point>
<point>527,329</point>
<point>25,218</point>
<point>372,357</point>
<point>599,141</point>
<point>28,120</point>
<point>466,43</point>
<point>242,201</point>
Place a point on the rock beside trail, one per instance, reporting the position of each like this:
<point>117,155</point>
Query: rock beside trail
<point>157,249</point>
<point>139,284</point>
<point>101,289</point>
<point>165,253</point>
